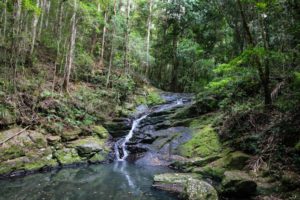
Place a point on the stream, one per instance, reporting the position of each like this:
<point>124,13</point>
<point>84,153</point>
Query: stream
<point>130,176</point>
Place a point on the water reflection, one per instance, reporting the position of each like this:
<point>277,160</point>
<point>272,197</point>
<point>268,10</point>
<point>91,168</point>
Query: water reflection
<point>117,181</point>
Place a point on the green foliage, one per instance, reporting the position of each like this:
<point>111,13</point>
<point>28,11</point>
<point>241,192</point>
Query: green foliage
<point>30,5</point>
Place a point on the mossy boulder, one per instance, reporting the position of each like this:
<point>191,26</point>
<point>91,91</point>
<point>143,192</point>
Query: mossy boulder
<point>89,146</point>
<point>238,183</point>
<point>97,158</point>
<point>100,131</point>
<point>25,150</point>
<point>186,184</point>
<point>118,127</point>
<point>68,156</point>
<point>200,190</point>
<point>205,142</point>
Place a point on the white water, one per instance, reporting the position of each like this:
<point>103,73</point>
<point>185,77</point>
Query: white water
<point>127,138</point>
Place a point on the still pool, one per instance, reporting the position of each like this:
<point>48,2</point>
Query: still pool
<point>116,181</point>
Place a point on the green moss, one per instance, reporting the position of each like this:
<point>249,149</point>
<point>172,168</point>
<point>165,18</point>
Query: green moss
<point>12,152</point>
<point>38,164</point>
<point>152,97</point>
<point>204,120</point>
<point>205,142</point>
<point>101,132</point>
<point>67,156</point>
<point>7,115</point>
<point>214,172</point>
<point>97,158</point>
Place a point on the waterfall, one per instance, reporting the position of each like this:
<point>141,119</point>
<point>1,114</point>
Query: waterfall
<point>127,138</point>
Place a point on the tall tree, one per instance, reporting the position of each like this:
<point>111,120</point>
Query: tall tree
<point>70,57</point>
<point>149,25</point>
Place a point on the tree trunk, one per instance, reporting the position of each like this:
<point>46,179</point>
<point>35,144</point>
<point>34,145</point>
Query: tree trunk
<point>264,74</point>
<point>43,4</point>
<point>69,63</point>
<point>14,58</point>
<point>58,28</point>
<point>48,7</point>
<point>111,57</point>
<point>175,64</point>
<point>5,19</point>
<point>34,26</point>
<point>149,24</point>
<point>127,36</point>
<point>101,62</point>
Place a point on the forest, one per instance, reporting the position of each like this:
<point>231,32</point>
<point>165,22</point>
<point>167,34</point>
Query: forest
<point>201,98</point>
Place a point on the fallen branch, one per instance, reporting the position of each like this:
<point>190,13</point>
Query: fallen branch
<point>18,133</point>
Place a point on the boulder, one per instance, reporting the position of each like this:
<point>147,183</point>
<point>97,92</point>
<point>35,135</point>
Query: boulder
<point>87,147</point>
<point>68,156</point>
<point>118,127</point>
<point>200,190</point>
<point>25,151</point>
<point>238,183</point>
<point>100,131</point>
<point>97,158</point>
<point>205,142</point>
<point>185,184</point>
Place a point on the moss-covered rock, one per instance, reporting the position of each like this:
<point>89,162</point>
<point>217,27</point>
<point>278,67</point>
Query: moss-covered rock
<point>205,142</point>
<point>200,190</point>
<point>27,150</point>
<point>186,184</point>
<point>68,156</point>
<point>238,183</point>
<point>98,157</point>
<point>89,146</point>
<point>100,131</point>
<point>118,127</point>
